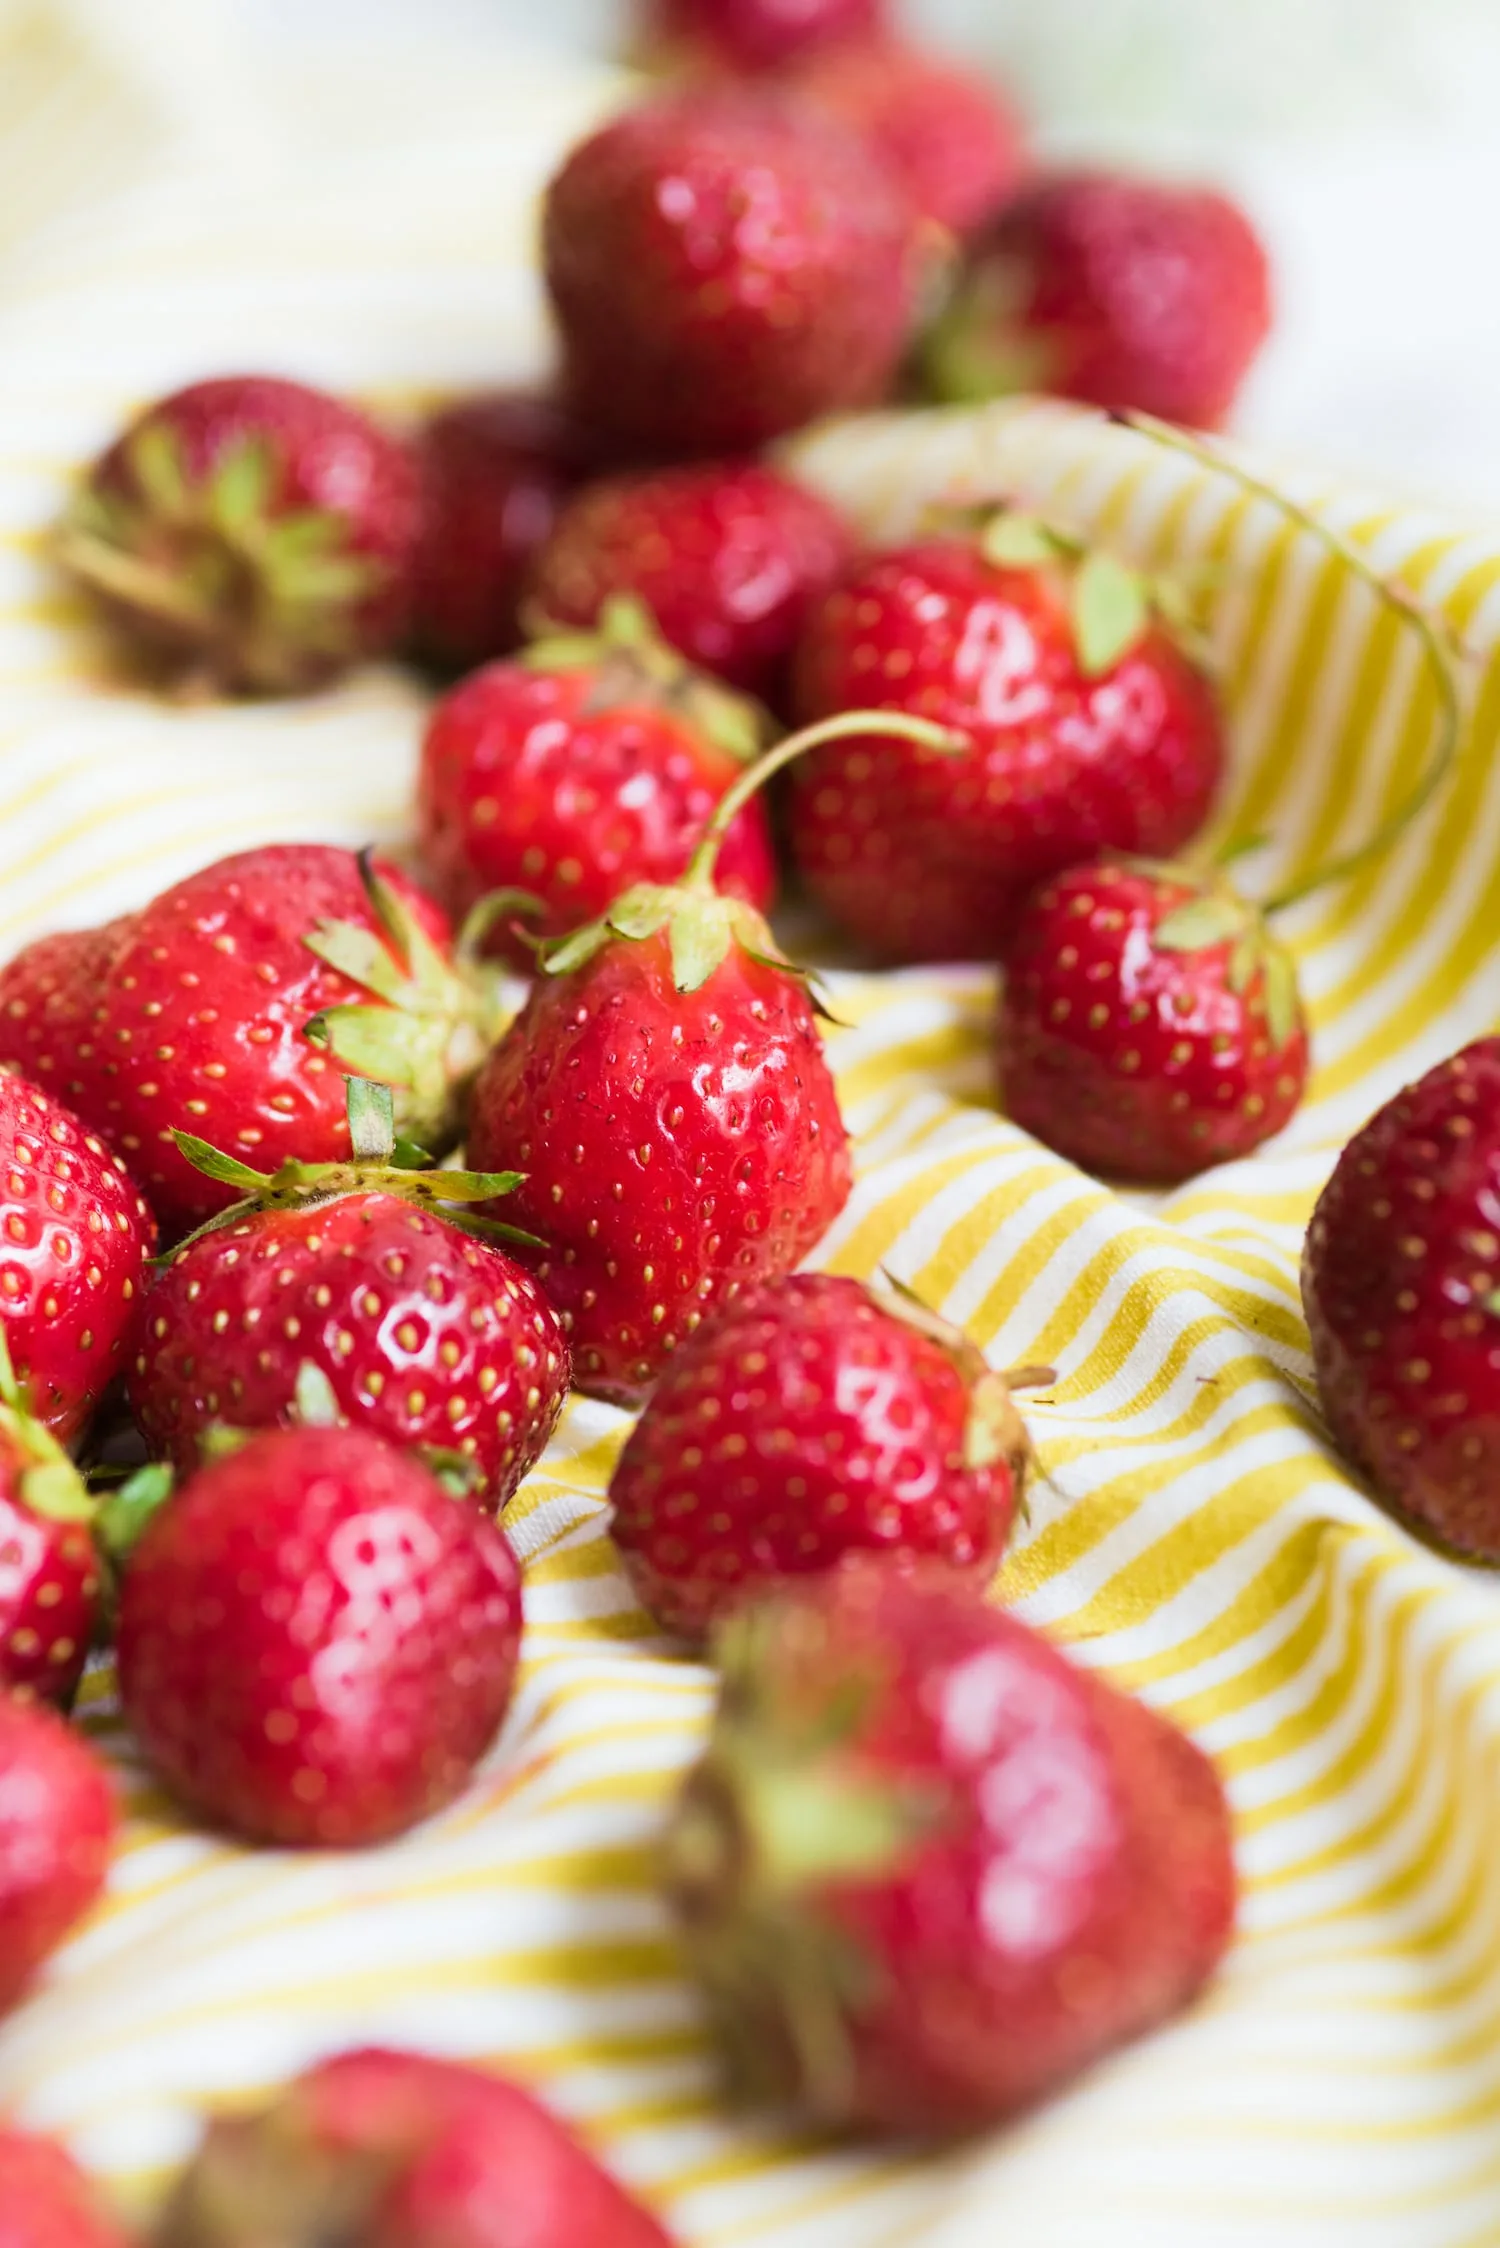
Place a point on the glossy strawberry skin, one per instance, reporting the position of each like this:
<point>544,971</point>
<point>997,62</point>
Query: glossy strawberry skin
<point>49,1591</point>
<point>316,1642</point>
<point>75,1242</point>
<point>495,472</point>
<point>326,458</point>
<point>1399,1280</point>
<point>677,1148</point>
<point>428,2151</point>
<point>46,2201</point>
<point>525,785</point>
<point>804,1424</point>
<point>727,556</point>
<point>753,35</point>
<point>1132,1060</point>
<point>725,265</point>
<point>1124,292</point>
<point>927,856</point>
<point>57,1821</point>
<point>47,996</point>
<point>1058,1880</point>
<point>199,1023</point>
<point>428,1337</point>
<point>944,131</point>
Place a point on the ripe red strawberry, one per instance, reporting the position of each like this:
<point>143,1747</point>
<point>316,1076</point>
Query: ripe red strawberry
<point>381,2149</point>
<point>665,1093</point>
<point>725,264</point>
<point>317,1643</point>
<point>57,1819</point>
<point>427,1337</point>
<point>727,556</point>
<point>945,132</point>
<point>495,470</point>
<point>750,35</point>
<point>1401,1284</point>
<point>1150,1024</point>
<point>75,1239</point>
<point>49,1576</point>
<point>590,763</point>
<point>47,996</point>
<point>927,1870</point>
<point>1089,728</point>
<point>201,1022</point>
<point>46,2201</point>
<point>251,534</point>
<point>806,1423</point>
<point>1130,293</point>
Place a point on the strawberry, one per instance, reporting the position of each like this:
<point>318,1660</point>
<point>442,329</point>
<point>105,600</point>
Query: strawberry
<point>381,2149</point>
<point>49,1576</point>
<point>47,994</point>
<point>240,994</point>
<point>75,1239</point>
<point>946,133</point>
<point>725,263</point>
<point>1401,1284</point>
<point>728,556</point>
<point>664,1093</point>
<point>252,535</point>
<point>590,763</point>
<point>1089,727</point>
<point>426,1336</point>
<point>316,1641</point>
<point>927,1870</point>
<point>495,470</point>
<point>1131,293</point>
<point>808,1422</point>
<point>1150,1024</point>
<point>750,35</point>
<point>46,2201</point>
<point>57,1819</point>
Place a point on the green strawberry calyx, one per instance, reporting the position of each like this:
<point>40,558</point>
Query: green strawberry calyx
<point>1112,606</point>
<point>47,1482</point>
<point>994,1429</point>
<point>254,597</point>
<point>1214,914</point>
<point>700,924</point>
<point>980,345</point>
<point>430,1018</point>
<point>633,666</point>
<point>380,1163</point>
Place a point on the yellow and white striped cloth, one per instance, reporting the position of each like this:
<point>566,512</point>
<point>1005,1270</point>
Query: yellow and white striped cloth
<point>1342,2083</point>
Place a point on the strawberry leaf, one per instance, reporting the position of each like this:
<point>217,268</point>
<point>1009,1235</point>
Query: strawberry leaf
<point>239,490</point>
<point>700,942</point>
<point>1282,998</point>
<point>1198,924</point>
<point>372,1121</point>
<point>1019,542</point>
<point>215,1164</point>
<point>1111,610</point>
<point>158,466</point>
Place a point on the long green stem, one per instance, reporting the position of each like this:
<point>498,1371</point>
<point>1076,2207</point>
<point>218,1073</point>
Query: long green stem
<point>1434,641</point>
<point>895,723</point>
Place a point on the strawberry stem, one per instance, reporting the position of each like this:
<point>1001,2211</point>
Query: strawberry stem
<point>1435,644</point>
<point>895,723</point>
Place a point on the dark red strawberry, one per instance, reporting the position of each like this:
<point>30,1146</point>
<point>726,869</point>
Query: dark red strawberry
<point>809,1422</point>
<point>495,470</point>
<point>1401,1283</point>
<point>749,35</point>
<point>665,1093</point>
<point>49,1576</point>
<point>927,1870</point>
<point>75,1240</point>
<point>1150,1024</point>
<point>253,535</point>
<point>317,1643</point>
<point>46,2201</point>
<point>1132,293</point>
<point>47,997</point>
<point>726,263</point>
<point>728,557</point>
<point>379,2149</point>
<point>427,1337</point>
<point>240,996</point>
<point>1089,725</point>
<point>945,132</point>
<point>590,763</point>
<point>57,1823</point>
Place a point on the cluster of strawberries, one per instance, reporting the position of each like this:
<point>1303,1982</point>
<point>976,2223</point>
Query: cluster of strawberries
<point>926,1868</point>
